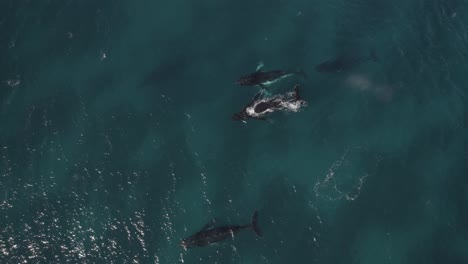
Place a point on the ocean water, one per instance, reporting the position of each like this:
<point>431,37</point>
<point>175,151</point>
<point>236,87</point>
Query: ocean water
<point>116,138</point>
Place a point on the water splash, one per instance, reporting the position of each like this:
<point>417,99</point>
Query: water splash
<point>338,183</point>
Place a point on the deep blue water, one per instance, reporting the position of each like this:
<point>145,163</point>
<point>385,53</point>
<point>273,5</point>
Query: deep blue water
<point>116,138</point>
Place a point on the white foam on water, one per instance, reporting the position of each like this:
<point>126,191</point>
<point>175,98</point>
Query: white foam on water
<point>329,187</point>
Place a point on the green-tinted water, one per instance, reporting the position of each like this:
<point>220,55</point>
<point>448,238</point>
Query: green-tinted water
<point>116,139</point>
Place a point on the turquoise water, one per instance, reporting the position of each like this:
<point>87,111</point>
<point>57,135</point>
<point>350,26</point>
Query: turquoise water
<point>116,139</point>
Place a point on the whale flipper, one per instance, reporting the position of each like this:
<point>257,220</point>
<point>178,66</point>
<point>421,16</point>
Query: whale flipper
<point>260,66</point>
<point>209,225</point>
<point>254,224</point>
<point>296,92</point>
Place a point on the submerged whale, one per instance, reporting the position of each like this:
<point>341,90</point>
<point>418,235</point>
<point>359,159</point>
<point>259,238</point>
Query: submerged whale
<point>210,235</point>
<point>345,62</point>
